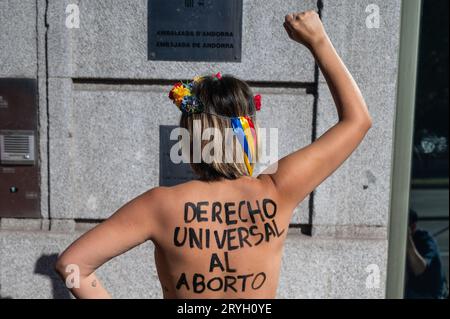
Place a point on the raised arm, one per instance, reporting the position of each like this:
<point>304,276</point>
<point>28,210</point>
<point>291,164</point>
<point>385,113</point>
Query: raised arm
<point>301,172</point>
<point>130,226</point>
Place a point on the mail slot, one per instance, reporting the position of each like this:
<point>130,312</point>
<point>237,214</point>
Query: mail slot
<point>17,147</point>
<point>19,165</point>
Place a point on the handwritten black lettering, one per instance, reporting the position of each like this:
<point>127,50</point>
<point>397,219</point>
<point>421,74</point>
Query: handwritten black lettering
<point>193,209</point>
<point>201,212</point>
<point>266,202</point>
<point>254,224</point>
<point>231,238</point>
<point>241,204</point>
<point>215,262</point>
<point>200,282</point>
<point>228,213</point>
<point>182,281</point>
<point>220,243</point>
<point>254,232</point>
<point>230,281</point>
<point>176,241</point>
<point>243,234</point>
<point>260,275</point>
<point>195,238</point>
<point>253,212</point>
<point>219,287</point>
<point>216,209</point>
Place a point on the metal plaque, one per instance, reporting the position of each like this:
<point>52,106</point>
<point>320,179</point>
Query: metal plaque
<point>195,30</point>
<point>19,167</point>
<point>171,174</point>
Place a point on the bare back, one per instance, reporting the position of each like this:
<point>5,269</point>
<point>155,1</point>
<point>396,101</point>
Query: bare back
<point>224,239</point>
<point>221,239</point>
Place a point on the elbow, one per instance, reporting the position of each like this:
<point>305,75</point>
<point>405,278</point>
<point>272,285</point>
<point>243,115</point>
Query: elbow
<point>367,119</point>
<point>364,119</point>
<point>365,123</point>
<point>361,124</point>
<point>368,123</point>
<point>61,266</point>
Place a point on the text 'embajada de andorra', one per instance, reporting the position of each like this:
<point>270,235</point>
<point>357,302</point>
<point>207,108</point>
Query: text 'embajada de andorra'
<point>187,44</point>
<point>169,44</point>
<point>195,33</point>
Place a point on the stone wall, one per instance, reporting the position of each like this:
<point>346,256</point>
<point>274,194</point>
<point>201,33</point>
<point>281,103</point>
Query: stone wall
<point>101,102</point>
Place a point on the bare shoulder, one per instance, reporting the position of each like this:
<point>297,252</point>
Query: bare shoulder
<point>155,196</point>
<point>268,184</point>
<point>161,200</point>
<point>164,198</point>
<point>267,181</point>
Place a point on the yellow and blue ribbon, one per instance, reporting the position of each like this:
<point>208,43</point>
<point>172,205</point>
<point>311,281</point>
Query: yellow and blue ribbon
<point>244,130</point>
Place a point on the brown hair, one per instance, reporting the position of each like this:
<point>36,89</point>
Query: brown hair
<point>222,99</point>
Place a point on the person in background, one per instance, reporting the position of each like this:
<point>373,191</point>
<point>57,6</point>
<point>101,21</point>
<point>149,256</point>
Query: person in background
<point>424,275</point>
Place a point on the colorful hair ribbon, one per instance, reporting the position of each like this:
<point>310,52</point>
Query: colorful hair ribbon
<point>242,128</point>
<point>248,135</point>
<point>252,128</point>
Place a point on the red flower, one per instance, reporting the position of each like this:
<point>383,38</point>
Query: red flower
<point>257,101</point>
<point>219,75</point>
<point>175,86</point>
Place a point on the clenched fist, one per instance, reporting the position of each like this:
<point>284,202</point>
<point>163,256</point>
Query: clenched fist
<point>305,28</point>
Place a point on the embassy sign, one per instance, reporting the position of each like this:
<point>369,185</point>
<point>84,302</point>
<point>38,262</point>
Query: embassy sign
<point>195,30</point>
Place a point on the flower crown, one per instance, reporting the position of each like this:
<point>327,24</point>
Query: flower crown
<point>182,96</point>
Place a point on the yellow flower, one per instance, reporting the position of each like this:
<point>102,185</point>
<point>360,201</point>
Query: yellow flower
<point>197,79</point>
<point>179,93</point>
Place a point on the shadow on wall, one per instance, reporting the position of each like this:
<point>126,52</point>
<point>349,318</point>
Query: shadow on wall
<point>45,266</point>
<point>1,297</point>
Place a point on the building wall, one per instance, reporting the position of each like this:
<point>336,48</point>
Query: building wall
<point>100,106</point>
